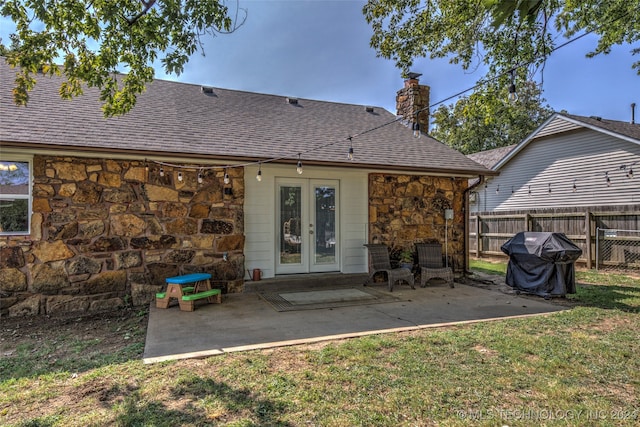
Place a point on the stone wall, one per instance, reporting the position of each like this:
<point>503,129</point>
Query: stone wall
<point>405,209</point>
<point>106,233</point>
<point>412,103</point>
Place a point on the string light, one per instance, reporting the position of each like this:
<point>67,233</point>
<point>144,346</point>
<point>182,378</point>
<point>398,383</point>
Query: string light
<point>549,188</point>
<point>416,126</point>
<point>606,174</point>
<point>180,176</point>
<point>200,177</point>
<point>498,189</point>
<point>513,96</point>
<point>299,165</point>
<point>259,175</point>
<point>575,187</point>
<point>630,170</point>
<point>350,155</point>
<point>226,177</point>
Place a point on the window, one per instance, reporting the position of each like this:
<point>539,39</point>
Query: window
<point>15,195</point>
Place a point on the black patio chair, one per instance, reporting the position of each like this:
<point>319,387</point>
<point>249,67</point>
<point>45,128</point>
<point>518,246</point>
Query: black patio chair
<point>379,262</point>
<point>431,264</point>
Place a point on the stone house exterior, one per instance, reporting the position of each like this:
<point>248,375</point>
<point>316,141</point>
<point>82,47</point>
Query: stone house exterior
<point>96,213</point>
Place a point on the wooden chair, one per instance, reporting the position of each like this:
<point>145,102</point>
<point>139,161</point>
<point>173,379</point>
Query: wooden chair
<point>379,262</point>
<point>431,265</point>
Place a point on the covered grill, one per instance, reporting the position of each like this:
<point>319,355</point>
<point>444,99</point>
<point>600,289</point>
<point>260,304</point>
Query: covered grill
<point>541,263</point>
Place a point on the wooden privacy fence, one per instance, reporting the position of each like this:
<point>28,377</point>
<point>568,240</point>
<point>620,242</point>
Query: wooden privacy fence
<point>489,230</point>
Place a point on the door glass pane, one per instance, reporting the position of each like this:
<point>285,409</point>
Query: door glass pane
<point>291,227</point>
<point>325,225</point>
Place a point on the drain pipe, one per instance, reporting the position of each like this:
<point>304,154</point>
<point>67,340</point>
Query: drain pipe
<point>466,192</point>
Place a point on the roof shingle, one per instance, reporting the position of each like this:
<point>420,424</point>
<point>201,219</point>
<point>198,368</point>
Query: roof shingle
<point>179,119</point>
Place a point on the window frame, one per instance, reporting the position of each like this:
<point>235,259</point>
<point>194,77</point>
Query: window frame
<point>9,157</point>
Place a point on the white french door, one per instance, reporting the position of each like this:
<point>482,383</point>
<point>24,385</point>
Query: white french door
<point>307,230</point>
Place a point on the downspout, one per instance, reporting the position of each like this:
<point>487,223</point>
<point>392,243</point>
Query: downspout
<point>465,267</point>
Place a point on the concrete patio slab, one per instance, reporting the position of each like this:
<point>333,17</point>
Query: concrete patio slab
<point>246,321</point>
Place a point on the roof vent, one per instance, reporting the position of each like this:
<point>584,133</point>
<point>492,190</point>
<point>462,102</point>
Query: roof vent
<point>292,101</point>
<point>368,109</point>
<point>598,118</point>
<point>207,89</point>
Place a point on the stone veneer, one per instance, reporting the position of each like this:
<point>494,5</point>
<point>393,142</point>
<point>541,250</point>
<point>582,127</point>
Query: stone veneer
<point>105,233</point>
<point>404,209</point>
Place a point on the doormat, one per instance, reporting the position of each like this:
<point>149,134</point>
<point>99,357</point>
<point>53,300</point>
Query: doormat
<point>326,298</point>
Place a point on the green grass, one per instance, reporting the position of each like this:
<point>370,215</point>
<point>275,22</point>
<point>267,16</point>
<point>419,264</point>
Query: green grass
<point>578,367</point>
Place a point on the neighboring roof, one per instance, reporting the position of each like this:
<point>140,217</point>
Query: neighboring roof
<point>181,120</point>
<point>632,130</point>
<point>488,158</point>
<point>561,122</point>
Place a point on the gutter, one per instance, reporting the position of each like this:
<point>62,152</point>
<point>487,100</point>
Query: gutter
<point>107,152</point>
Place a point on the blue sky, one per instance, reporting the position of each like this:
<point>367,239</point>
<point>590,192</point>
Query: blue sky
<point>320,50</point>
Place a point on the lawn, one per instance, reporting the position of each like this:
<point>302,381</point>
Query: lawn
<point>577,367</point>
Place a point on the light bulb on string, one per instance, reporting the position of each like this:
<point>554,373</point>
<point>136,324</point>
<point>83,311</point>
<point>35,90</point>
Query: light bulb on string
<point>513,96</point>
<point>350,155</point>
<point>226,177</point>
<point>259,175</point>
<point>529,190</point>
<point>498,189</point>
<point>200,177</point>
<point>549,188</point>
<point>180,176</point>
<point>299,165</point>
<point>608,180</point>
<point>416,129</point>
<point>630,173</point>
<point>161,171</point>
<point>575,187</point>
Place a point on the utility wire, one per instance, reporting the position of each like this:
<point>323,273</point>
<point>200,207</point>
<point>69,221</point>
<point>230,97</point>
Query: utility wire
<point>427,108</point>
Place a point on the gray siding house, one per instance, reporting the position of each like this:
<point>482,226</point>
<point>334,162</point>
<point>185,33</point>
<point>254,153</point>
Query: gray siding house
<point>569,161</point>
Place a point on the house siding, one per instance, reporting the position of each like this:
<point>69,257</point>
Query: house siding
<point>556,126</point>
<point>585,156</point>
<point>260,215</point>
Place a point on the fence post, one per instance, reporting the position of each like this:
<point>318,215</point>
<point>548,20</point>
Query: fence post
<point>478,243</point>
<point>597,247</point>
<point>587,237</point>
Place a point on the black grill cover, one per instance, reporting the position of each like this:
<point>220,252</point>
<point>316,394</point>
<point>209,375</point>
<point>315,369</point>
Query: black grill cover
<point>541,263</point>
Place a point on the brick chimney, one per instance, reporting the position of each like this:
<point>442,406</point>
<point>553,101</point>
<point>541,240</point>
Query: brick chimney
<point>412,98</point>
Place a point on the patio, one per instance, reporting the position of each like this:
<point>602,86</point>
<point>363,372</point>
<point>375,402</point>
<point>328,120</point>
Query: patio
<point>247,321</point>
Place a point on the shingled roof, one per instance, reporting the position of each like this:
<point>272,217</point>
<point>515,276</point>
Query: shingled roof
<point>621,128</point>
<point>182,120</point>
<point>488,158</point>
<point>559,123</point>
